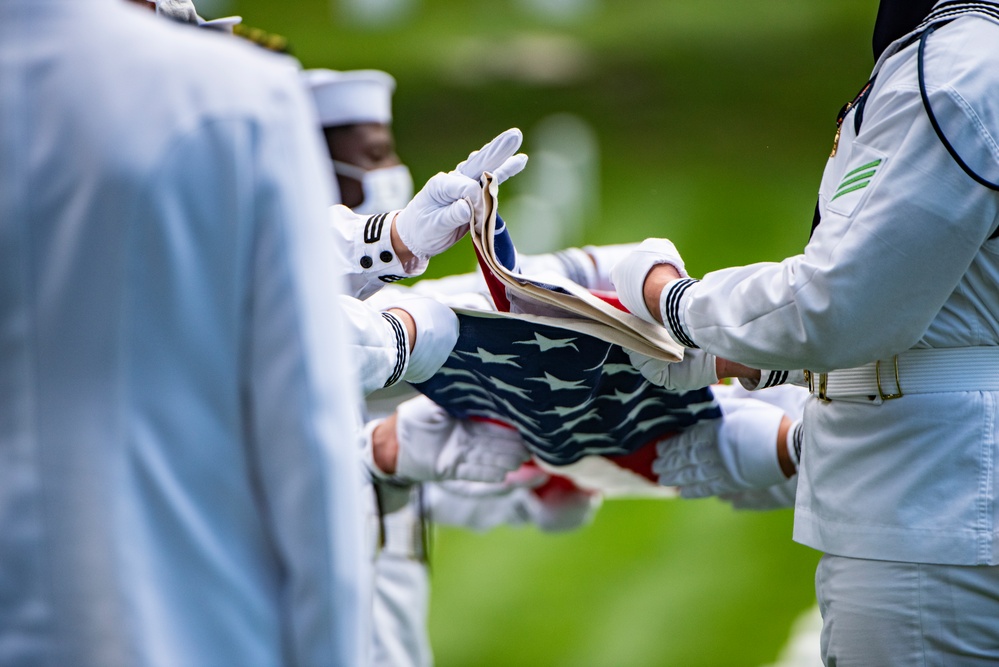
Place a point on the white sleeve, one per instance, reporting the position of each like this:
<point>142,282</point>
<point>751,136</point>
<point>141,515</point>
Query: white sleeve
<point>604,259</point>
<point>366,242</point>
<point>301,407</point>
<point>379,344</point>
<point>589,266</point>
<point>908,240</point>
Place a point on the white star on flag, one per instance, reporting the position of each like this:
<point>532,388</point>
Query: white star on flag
<point>487,357</point>
<point>545,344</point>
<point>558,385</point>
<point>516,391</point>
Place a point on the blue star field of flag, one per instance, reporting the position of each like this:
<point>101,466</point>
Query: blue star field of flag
<point>568,394</point>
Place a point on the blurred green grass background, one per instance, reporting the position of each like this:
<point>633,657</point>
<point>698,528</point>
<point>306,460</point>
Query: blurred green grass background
<point>714,119</point>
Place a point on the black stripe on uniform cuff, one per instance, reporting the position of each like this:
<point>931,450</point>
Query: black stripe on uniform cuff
<point>373,228</point>
<point>776,378</point>
<point>402,351</point>
<point>672,311</point>
<point>797,435</point>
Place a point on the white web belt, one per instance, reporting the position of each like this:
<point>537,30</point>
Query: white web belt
<point>919,371</point>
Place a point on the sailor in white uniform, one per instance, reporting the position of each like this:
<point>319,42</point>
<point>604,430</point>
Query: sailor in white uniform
<point>177,481</point>
<point>354,109</point>
<point>893,308</point>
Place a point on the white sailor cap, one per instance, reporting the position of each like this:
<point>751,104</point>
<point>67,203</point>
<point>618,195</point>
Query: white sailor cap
<point>223,24</point>
<point>346,98</point>
<point>183,11</point>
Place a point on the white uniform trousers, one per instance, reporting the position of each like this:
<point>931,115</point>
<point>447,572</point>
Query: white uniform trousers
<point>887,613</point>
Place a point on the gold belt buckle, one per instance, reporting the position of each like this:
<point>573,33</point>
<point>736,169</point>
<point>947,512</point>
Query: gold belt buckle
<point>877,376</point>
<point>823,385</point>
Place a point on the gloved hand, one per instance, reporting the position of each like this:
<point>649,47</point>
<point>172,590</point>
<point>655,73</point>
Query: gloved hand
<point>778,496</point>
<point>561,509</point>
<point>527,495</point>
<point>436,334</point>
<point>435,446</point>
<point>727,455</point>
<point>499,157</point>
<point>182,11</point>
<point>439,214</point>
<point>628,275</point>
<point>695,371</point>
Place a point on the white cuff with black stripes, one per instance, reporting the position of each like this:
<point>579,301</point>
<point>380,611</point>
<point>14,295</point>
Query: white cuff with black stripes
<point>795,437</point>
<point>376,254</point>
<point>771,378</point>
<point>401,348</point>
<point>671,310</point>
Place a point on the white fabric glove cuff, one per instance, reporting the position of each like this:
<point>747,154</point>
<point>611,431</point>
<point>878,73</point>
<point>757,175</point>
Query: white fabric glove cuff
<point>368,452</point>
<point>436,335</point>
<point>748,446</point>
<point>423,429</point>
<point>604,259</point>
<point>629,274</point>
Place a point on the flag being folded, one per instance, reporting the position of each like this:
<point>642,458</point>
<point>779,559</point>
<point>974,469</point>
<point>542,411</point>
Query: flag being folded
<point>555,370</point>
<point>569,394</point>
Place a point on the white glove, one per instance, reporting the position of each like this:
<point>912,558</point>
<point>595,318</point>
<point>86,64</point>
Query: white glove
<point>779,496</point>
<point>435,446</point>
<point>521,498</point>
<point>695,371</point>
<point>182,11</point>
<point>721,456</point>
<point>628,275</point>
<point>499,157</point>
<point>439,214</point>
<point>560,510</point>
<point>436,335</point>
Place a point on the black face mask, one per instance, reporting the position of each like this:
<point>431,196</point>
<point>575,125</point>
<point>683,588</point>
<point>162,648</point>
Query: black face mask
<point>897,18</point>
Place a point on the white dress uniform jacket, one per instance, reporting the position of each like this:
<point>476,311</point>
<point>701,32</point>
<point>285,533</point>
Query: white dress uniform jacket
<point>178,475</point>
<point>901,259</point>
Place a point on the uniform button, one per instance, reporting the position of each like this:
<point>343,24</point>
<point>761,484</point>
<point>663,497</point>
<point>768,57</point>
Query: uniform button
<point>366,262</point>
<point>386,256</point>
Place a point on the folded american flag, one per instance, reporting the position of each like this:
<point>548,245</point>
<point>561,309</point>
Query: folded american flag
<point>568,394</point>
<point>571,395</point>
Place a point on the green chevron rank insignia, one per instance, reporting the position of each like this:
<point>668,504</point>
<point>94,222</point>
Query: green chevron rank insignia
<point>853,186</point>
<point>857,179</point>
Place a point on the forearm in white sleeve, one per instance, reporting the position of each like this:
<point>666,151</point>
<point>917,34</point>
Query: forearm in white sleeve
<point>379,344</point>
<point>908,240</point>
<point>604,259</point>
<point>589,266</point>
<point>366,241</point>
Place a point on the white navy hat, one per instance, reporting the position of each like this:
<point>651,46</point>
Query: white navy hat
<point>346,98</point>
<point>223,24</point>
<point>183,11</point>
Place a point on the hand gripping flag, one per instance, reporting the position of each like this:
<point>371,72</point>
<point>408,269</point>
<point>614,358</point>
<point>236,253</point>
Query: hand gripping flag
<point>575,398</point>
